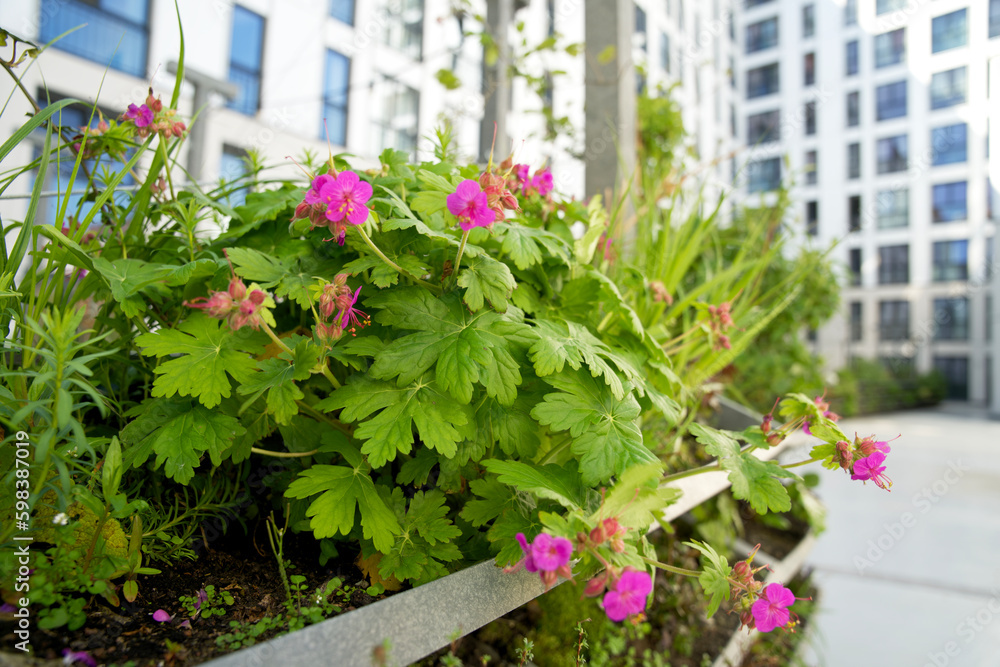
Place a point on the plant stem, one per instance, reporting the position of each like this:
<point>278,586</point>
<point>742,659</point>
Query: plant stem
<point>277,341</point>
<point>396,267</point>
<point>605,322</point>
<point>461,251</point>
<point>282,455</point>
<point>670,568</point>
<point>708,467</point>
<point>166,166</point>
<point>319,416</point>
<point>800,463</point>
<point>31,100</point>
<point>328,374</point>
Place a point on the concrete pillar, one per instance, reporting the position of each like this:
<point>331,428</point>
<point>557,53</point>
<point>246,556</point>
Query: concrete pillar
<point>994,172</point>
<point>496,82</point>
<point>610,104</point>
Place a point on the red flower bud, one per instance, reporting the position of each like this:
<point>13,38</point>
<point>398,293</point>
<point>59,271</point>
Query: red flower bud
<point>257,297</point>
<point>237,289</point>
<point>596,585</point>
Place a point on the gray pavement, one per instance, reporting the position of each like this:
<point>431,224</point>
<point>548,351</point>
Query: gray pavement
<point>911,577</point>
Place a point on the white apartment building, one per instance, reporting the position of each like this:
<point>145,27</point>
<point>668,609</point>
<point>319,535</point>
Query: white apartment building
<point>881,109</point>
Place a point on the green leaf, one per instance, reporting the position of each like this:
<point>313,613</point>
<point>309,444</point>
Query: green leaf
<point>555,482</point>
<point>464,348</point>
<point>753,480</point>
<point>486,279</point>
<point>419,404</point>
<point>714,578</point>
<point>179,432</point>
<point>383,275</point>
<point>182,275</point>
<point>264,206</point>
<point>277,377</point>
<point>637,498</point>
<point>258,267</point>
<point>511,426</point>
<point>448,79</point>
<point>425,542</point>
<point>343,492</point>
<point>525,245</point>
<point>208,351</point>
<point>416,471</point>
<point>605,431</point>
<point>496,497</point>
<point>126,277</point>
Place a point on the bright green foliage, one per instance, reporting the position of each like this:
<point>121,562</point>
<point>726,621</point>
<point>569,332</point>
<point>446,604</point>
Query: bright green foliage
<point>528,246</point>
<point>466,349</point>
<point>510,427</point>
<point>277,377</point>
<point>486,279</point>
<point>208,350</point>
<point>179,432</point>
<point>344,491</point>
<point>419,404</point>
<point>605,430</point>
<point>126,278</point>
<point>494,498</point>
<point>714,578</point>
<point>637,497</point>
<point>424,543</point>
<point>558,483</point>
<point>753,480</point>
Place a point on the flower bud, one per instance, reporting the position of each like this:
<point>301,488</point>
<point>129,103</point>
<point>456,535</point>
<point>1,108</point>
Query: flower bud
<point>844,457</point>
<point>598,535</point>
<point>596,585</point>
<point>774,438</point>
<point>237,289</point>
<point>340,279</point>
<point>257,297</point>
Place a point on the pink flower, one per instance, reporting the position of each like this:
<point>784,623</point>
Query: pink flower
<point>770,611</point>
<point>219,305</point>
<point>527,561</point>
<point>142,116</point>
<point>871,468</point>
<point>868,446</point>
<point>470,205</point>
<point>353,316</point>
<point>346,197</point>
<point>628,596</point>
<point>550,553</point>
<point>315,192</point>
<point>160,616</point>
<point>542,181</point>
<point>71,657</point>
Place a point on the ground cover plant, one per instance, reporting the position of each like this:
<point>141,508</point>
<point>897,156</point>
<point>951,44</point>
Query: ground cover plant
<point>412,367</point>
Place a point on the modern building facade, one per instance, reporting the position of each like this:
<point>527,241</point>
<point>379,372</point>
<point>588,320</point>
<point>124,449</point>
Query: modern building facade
<point>881,109</point>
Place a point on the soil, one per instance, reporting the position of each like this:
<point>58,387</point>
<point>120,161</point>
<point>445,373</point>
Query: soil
<point>127,634</point>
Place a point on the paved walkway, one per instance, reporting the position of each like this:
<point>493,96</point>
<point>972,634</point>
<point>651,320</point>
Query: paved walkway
<point>911,578</point>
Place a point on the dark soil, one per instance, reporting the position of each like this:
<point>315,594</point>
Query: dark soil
<point>119,635</point>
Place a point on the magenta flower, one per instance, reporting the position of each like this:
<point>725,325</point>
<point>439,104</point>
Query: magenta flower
<point>550,553</point>
<point>527,561</point>
<point>770,611</point>
<point>315,193</point>
<point>142,116</point>
<point>346,197</point>
<point>71,657</point>
<point>470,205</point>
<point>628,596</point>
<point>353,316</point>
<point>542,181</point>
<point>160,616</point>
<point>871,468</point>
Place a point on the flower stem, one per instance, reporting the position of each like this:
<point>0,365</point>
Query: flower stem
<point>800,463</point>
<point>328,374</point>
<point>277,341</point>
<point>670,568</point>
<point>708,467</point>
<point>396,267</point>
<point>461,251</point>
<point>282,455</point>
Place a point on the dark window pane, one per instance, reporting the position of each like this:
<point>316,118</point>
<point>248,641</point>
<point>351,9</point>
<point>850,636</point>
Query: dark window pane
<point>890,101</point>
<point>951,260</point>
<point>116,34</point>
<point>856,321</point>
<point>762,81</point>
<point>246,50</point>
<point>893,208</point>
<point>949,144</point>
<point>763,128</point>
<point>890,48</point>
<point>762,35</point>
<point>764,175</point>
<point>854,264</point>
<point>948,88</point>
<point>884,6</point>
<point>851,54</point>
<point>809,69</point>
<point>854,160</point>
<point>949,31</point>
<point>853,108</point>
<point>892,154</point>
<point>854,213</point>
<point>335,85</point>
<point>812,218</point>
<point>949,202</point>
<point>342,10</point>
<point>894,265</point>
<point>893,320</point>
<point>956,374</point>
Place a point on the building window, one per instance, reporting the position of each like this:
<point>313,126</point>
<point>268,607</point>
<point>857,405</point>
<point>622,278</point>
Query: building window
<point>949,31</point>
<point>854,266</point>
<point>335,86</point>
<point>892,154</point>
<point>951,260</point>
<point>765,175</point>
<point>755,3</point>
<point>988,312</point>
<point>665,52</point>
<point>893,320</point>
<point>404,27</point>
<point>116,33</point>
<point>949,202</point>
<point>851,12</point>
<point>851,53</point>
<point>809,69</point>
<point>810,113</point>
<point>893,208</point>
<point>808,21</point>
<point>854,160</point>
<point>762,35</point>
<point>762,81</point>
<point>894,264</point>
<point>956,374</point>
<point>949,144</point>
<point>890,101</point>
<point>640,27</point>
<point>342,10</point>
<point>853,109</point>
<point>812,175</point>
<point>854,213</point>
<point>245,55</point>
<point>890,48</point>
<point>856,321</point>
<point>948,88</point>
<point>994,18</point>
<point>885,6</point>
<point>396,117</point>
<point>232,168</point>
<point>812,218</point>
<point>764,127</point>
